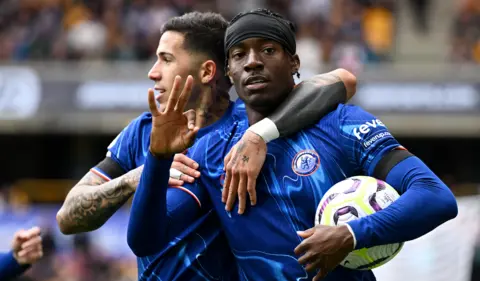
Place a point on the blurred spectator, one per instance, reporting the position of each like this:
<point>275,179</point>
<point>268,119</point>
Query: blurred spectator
<point>84,263</point>
<point>378,28</point>
<point>421,11</point>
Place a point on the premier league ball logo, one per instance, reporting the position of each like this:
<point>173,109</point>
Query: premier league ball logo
<point>306,162</point>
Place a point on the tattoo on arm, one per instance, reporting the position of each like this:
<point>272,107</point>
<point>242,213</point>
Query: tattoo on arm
<point>245,158</point>
<point>324,79</point>
<point>93,201</point>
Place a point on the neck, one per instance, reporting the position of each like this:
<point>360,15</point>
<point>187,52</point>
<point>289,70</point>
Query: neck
<point>254,115</point>
<point>257,111</point>
<point>217,108</point>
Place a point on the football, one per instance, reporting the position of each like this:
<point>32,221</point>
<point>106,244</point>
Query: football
<point>352,199</point>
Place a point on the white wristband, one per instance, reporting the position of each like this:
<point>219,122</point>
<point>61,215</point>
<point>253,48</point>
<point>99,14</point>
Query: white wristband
<point>266,129</point>
<point>353,234</point>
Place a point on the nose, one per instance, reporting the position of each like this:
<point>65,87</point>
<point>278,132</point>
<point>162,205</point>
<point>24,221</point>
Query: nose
<point>155,73</point>
<point>253,61</point>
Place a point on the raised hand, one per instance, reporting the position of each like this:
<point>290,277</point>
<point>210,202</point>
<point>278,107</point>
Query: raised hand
<point>27,246</point>
<point>171,131</point>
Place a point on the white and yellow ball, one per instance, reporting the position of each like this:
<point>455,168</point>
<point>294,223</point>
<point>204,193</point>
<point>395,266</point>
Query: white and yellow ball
<point>354,198</point>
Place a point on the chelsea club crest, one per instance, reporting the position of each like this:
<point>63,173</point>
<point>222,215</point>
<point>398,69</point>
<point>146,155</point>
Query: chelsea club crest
<point>306,162</point>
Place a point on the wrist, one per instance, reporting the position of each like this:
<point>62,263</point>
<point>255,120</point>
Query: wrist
<point>348,235</point>
<point>161,156</point>
<point>266,129</point>
<point>16,260</point>
<point>15,257</point>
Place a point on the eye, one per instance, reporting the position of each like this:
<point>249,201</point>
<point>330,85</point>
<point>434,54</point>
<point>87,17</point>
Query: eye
<point>269,50</point>
<point>237,55</point>
<point>165,59</point>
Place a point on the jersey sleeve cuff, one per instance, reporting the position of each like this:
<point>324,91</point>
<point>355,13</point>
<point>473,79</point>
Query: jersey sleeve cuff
<point>266,129</point>
<point>99,172</point>
<point>11,263</point>
<point>353,235</point>
<point>10,260</point>
<point>356,228</point>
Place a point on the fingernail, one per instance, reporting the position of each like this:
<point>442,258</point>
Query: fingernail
<point>197,174</point>
<point>195,165</point>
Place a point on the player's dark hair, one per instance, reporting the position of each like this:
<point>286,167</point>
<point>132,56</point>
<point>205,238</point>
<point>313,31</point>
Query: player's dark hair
<point>203,33</point>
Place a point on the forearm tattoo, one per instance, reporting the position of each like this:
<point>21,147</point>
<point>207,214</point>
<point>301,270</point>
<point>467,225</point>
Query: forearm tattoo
<point>93,200</point>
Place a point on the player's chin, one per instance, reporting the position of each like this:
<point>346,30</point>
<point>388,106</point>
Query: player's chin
<point>262,102</point>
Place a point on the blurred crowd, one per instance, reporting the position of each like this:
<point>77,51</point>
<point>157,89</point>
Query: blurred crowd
<point>466,32</point>
<point>345,31</point>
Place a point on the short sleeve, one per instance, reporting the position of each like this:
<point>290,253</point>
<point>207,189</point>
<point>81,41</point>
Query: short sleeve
<point>364,138</point>
<point>131,141</point>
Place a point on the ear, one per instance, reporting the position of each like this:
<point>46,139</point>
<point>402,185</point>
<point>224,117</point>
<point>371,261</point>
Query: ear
<point>229,75</point>
<point>208,71</point>
<point>295,63</point>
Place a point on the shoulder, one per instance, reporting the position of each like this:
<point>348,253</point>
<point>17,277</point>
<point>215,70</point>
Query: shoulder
<point>139,127</point>
<point>144,121</point>
<point>347,118</point>
<point>134,136</point>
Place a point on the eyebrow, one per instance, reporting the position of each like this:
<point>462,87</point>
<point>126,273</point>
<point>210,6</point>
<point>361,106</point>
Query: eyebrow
<point>261,40</point>
<point>162,54</point>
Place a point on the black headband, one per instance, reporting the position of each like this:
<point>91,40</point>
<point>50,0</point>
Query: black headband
<point>262,26</point>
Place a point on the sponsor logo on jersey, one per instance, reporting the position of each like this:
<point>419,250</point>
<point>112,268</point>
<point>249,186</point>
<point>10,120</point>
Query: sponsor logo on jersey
<point>375,138</point>
<point>305,162</point>
<point>366,128</point>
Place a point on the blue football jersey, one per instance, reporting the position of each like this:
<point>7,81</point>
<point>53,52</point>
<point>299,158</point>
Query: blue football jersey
<point>198,252</point>
<point>297,172</point>
<point>130,147</point>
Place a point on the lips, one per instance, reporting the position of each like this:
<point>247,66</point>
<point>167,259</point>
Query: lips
<point>256,82</point>
<point>159,90</point>
<point>255,79</point>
